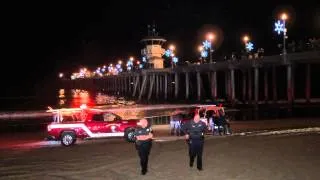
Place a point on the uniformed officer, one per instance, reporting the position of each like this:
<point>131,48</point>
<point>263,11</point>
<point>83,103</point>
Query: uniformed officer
<point>143,143</point>
<point>195,130</point>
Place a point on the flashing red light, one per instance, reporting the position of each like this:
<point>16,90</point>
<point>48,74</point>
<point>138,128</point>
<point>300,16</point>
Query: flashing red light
<point>83,106</point>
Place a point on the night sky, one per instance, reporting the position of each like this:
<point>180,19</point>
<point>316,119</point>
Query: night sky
<point>44,39</point>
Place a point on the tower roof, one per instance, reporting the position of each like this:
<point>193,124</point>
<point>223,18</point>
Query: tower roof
<point>153,35</point>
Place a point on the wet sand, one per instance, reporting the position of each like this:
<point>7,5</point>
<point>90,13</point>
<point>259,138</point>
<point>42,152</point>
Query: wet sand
<point>9,140</point>
<point>231,157</point>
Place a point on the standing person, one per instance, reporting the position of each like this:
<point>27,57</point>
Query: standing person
<point>194,131</point>
<point>172,125</point>
<point>144,137</point>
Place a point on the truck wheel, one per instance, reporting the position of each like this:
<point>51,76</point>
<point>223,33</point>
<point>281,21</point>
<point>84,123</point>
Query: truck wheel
<point>129,135</point>
<point>68,138</point>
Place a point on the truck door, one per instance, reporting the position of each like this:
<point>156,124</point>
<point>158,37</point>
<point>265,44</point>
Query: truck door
<point>112,123</point>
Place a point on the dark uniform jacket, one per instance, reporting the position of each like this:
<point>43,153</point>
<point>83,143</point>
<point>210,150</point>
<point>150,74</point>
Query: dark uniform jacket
<point>195,130</point>
<point>142,131</point>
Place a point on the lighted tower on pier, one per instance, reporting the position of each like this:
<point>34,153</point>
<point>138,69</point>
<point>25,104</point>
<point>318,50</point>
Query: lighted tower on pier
<point>153,50</point>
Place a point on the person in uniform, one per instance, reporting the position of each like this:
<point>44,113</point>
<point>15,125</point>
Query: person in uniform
<point>194,131</point>
<point>143,144</point>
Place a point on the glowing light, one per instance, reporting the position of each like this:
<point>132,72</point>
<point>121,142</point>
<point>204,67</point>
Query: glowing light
<point>168,53</point>
<point>140,66</point>
<point>172,47</point>
<point>175,59</point>
<point>249,46</point>
<point>120,62</point>
<point>204,54</point>
<point>279,27</point>
<point>60,75</point>
<point>284,16</point>
<point>211,36</point>
<point>246,39</point>
<point>131,58</point>
<point>144,59</point>
<point>200,48</point>
<point>206,44</point>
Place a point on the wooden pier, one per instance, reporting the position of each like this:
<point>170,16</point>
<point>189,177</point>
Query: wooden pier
<point>248,81</point>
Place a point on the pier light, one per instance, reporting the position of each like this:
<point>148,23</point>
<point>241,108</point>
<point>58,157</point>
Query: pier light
<point>280,27</point>
<point>245,39</point>
<point>200,48</point>
<point>211,36</point>
<point>284,16</point>
<point>172,47</point>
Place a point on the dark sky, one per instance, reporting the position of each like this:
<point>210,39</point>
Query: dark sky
<point>43,39</point>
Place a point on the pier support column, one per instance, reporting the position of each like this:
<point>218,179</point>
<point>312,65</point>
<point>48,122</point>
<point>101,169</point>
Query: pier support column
<point>266,92</point>
<point>129,84</point>
<point>289,84</point>
<point>125,81</point>
<point>176,85</point>
<point>136,82</point>
<point>214,85</point>
<point>244,86</point>
<point>274,84</point>
<point>198,86</point>
<point>256,85</point>
<point>232,86</point>
<point>166,86</point>
<point>160,86</point>
<point>308,84</point>
<point>187,85</point>
<point>157,86</point>
<point>143,86</point>
<point>227,85</point>
<point>152,79</point>
<point>249,86</point>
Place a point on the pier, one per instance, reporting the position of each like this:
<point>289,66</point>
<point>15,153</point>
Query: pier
<point>251,81</point>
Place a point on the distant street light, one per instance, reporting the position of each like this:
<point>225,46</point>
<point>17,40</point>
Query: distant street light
<point>280,26</point>
<point>210,37</point>
<point>248,45</point>
<point>246,39</point>
<point>60,75</point>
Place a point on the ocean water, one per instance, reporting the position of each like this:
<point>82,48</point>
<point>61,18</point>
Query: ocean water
<point>63,98</point>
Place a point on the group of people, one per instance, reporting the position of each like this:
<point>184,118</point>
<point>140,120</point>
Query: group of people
<point>194,131</point>
<point>215,120</point>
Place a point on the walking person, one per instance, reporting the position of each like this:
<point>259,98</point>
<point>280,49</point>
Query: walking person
<point>194,131</point>
<point>143,144</point>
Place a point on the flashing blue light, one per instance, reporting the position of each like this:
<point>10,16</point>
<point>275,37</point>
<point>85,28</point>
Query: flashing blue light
<point>279,27</point>
<point>249,46</point>
<point>204,54</point>
<point>206,44</point>
<point>175,59</point>
<point>144,59</point>
<point>168,53</point>
<point>140,66</point>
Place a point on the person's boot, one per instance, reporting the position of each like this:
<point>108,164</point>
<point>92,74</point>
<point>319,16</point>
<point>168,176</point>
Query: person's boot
<point>191,162</point>
<point>144,172</point>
